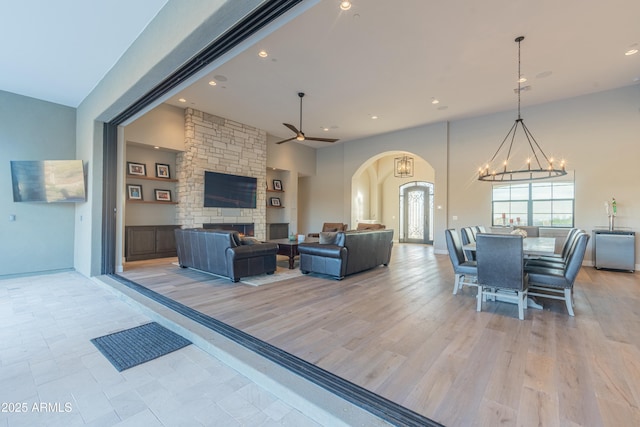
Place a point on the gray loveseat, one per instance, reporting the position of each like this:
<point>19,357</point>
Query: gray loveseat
<point>350,252</point>
<point>224,253</point>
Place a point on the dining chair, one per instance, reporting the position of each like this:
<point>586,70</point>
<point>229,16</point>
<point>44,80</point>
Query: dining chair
<point>500,263</point>
<point>557,283</point>
<point>480,229</point>
<point>465,271</point>
<point>468,236</point>
<point>556,260</point>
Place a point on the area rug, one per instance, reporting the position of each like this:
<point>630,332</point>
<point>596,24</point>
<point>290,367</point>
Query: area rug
<point>282,273</point>
<point>131,347</point>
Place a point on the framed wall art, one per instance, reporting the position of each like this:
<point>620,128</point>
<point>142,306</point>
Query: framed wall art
<point>162,170</point>
<point>136,169</point>
<point>134,192</point>
<point>163,195</point>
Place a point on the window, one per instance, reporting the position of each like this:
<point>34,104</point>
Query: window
<point>543,204</point>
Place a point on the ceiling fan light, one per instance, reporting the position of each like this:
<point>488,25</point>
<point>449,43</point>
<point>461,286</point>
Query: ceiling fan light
<point>345,5</point>
<point>300,137</point>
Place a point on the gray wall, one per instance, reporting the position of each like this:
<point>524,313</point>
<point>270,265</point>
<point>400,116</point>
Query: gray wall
<point>41,238</point>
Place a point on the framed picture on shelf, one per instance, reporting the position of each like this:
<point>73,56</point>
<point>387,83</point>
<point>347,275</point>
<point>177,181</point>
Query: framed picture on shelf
<point>277,184</point>
<point>136,168</point>
<point>134,192</point>
<point>162,171</point>
<point>163,195</point>
<point>275,201</point>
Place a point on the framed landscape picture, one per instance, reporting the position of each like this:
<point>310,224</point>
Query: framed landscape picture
<point>163,195</point>
<point>162,171</point>
<point>136,169</point>
<point>134,192</point>
<point>275,201</point>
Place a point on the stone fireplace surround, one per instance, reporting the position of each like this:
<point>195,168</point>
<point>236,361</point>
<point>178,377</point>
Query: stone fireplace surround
<point>216,144</point>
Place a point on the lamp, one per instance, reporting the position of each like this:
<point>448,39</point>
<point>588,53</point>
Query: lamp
<point>542,168</point>
<point>403,167</point>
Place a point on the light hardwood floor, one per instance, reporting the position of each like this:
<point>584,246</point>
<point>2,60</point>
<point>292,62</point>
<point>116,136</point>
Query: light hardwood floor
<point>399,331</point>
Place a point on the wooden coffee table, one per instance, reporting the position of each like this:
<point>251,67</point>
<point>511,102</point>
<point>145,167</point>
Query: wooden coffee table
<point>289,248</point>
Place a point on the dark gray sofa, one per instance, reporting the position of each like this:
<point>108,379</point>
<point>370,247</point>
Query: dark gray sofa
<point>351,252</point>
<point>223,252</point>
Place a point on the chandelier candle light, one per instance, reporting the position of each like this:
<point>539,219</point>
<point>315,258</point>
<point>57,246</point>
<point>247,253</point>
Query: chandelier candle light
<point>539,170</point>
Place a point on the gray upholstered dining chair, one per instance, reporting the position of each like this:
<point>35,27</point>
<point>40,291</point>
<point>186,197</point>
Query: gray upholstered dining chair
<point>500,262</point>
<point>468,235</point>
<point>557,283</point>
<point>465,271</point>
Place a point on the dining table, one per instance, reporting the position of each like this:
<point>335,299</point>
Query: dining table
<point>532,247</point>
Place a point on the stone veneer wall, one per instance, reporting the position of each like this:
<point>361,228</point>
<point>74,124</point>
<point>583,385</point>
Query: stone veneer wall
<point>216,144</point>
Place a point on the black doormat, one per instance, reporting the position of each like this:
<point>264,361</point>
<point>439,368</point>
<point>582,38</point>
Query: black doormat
<point>131,347</point>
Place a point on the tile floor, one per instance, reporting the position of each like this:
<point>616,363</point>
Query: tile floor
<point>51,374</point>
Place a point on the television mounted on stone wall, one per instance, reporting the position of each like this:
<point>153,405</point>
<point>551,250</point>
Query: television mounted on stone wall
<point>223,190</point>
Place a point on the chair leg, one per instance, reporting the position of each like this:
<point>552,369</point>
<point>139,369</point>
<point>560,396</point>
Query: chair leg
<point>568,299</point>
<point>456,284</point>
<point>479,298</point>
<point>521,303</point>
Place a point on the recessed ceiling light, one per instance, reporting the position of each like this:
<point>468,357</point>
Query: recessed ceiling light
<point>182,100</point>
<point>156,147</point>
<point>434,101</point>
<point>212,83</point>
<point>374,117</point>
<point>345,5</point>
<point>263,54</point>
<point>631,52</point>
<point>326,129</point>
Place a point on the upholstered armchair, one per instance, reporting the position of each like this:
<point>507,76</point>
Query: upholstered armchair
<point>330,226</point>
<point>500,259</point>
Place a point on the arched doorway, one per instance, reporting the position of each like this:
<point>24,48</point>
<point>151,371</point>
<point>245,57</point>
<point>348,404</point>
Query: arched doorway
<point>416,212</point>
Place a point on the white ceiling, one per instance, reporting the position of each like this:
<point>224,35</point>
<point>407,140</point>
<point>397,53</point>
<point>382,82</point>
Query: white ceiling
<point>384,58</point>
<point>58,50</point>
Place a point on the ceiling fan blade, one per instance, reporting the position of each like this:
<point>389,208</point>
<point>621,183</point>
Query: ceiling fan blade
<point>286,140</point>
<point>292,127</point>
<point>311,138</point>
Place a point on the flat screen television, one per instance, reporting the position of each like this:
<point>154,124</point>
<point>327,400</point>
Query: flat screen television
<point>50,181</point>
<point>222,190</point>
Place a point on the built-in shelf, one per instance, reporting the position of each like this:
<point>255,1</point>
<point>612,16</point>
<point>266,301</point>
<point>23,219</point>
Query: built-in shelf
<point>274,191</point>
<point>151,178</point>
<point>275,207</point>
<point>156,202</point>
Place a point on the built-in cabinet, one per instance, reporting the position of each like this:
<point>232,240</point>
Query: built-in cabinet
<point>149,241</point>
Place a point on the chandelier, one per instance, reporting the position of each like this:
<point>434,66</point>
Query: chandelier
<point>403,167</point>
<point>537,166</point>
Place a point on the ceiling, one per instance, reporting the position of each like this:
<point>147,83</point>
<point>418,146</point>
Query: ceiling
<point>380,58</point>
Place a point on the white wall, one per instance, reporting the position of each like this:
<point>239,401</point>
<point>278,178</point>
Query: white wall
<point>597,134</point>
<point>41,237</point>
<point>161,127</point>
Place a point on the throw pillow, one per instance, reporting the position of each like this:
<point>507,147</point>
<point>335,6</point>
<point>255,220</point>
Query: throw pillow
<point>328,237</point>
<point>248,241</point>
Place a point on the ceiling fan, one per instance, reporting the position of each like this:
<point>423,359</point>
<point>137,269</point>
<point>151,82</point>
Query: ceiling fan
<point>300,136</point>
